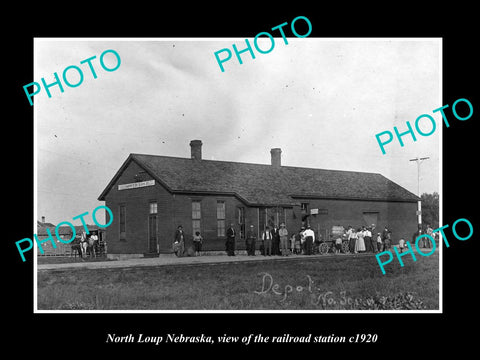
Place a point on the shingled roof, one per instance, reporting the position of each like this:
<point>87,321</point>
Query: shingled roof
<point>264,185</point>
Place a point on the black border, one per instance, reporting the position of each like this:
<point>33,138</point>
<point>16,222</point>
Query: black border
<point>397,332</point>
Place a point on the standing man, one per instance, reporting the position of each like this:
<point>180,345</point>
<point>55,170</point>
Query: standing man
<point>179,245</point>
<point>351,239</point>
<point>417,234</point>
<point>386,236</point>
<point>283,233</point>
<point>275,241</point>
<point>364,233</point>
<point>267,242</point>
<point>302,241</point>
<point>309,239</point>
<point>374,239</point>
<point>250,241</point>
<point>368,240</point>
<point>230,243</point>
<point>430,233</point>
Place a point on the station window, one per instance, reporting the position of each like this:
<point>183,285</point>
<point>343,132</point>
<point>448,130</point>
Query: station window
<point>241,221</point>
<point>220,218</point>
<point>153,207</point>
<point>196,216</point>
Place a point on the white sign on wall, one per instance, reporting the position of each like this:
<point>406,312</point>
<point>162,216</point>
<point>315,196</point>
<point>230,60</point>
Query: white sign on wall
<point>136,185</point>
<point>318,211</point>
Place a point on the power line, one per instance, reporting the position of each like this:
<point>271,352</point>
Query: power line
<point>419,160</point>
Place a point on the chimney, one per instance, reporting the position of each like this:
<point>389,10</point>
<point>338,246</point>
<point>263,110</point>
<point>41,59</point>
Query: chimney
<point>196,149</point>
<point>43,219</point>
<point>276,157</point>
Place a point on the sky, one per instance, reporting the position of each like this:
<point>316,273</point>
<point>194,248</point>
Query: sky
<point>322,101</point>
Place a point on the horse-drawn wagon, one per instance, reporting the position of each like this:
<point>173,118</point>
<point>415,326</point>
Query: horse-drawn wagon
<point>327,241</point>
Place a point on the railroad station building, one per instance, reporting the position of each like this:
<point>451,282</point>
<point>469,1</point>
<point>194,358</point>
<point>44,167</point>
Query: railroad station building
<point>150,195</point>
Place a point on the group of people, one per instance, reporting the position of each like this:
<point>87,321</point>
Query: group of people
<point>274,241</point>
<point>84,244</point>
<point>278,241</point>
<point>425,241</point>
<point>179,242</point>
<point>363,239</point>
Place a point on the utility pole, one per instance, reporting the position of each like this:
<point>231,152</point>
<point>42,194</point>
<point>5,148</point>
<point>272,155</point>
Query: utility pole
<point>419,212</point>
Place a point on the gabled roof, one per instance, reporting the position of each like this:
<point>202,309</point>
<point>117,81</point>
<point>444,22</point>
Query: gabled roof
<point>257,184</point>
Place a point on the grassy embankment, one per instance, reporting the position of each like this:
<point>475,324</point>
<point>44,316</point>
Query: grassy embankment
<point>331,282</point>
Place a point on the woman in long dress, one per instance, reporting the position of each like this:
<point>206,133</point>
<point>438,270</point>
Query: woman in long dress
<point>360,243</point>
<point>353,241</point>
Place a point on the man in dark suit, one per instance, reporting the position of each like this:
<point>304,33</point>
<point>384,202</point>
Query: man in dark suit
<point>386,238</point>
<point>230,243</point>
<point>275,241</point>
<point>250,241</point>
<point>267,242</point>
<point>384,233</point>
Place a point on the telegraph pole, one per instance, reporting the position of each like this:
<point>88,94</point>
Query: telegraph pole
<point>419,161</point>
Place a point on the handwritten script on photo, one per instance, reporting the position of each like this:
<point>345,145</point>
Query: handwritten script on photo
<point>323,299</point>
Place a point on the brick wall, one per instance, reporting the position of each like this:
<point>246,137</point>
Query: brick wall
<point>183,216</point>
<point>137,202</point>
<point>176,209</point>
<point>400,217</point>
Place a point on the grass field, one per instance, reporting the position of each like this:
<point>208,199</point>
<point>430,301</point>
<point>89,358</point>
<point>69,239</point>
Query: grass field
<point>331,282</point>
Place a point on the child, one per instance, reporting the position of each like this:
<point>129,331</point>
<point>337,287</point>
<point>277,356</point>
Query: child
<point>298,242</point>
<point>197,243</point>
<point>379,242</point>
<point>401,245</point>
<point>338,245</point>
<point>292,243</point>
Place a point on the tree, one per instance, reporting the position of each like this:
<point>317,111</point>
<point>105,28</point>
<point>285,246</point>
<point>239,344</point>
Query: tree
<point>430,209</point>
